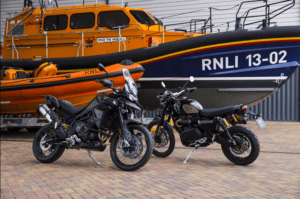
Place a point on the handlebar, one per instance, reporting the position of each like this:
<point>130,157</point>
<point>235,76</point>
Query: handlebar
<point>182,92</point>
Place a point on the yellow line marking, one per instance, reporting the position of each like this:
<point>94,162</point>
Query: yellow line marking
<point>220,45</point>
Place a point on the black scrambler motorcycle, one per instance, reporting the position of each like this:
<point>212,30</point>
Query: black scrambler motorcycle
<point>89,127</point>
<point>200,127</point>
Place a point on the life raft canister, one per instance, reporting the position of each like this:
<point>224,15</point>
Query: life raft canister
<point>10,73</point>
<point>45,69</point>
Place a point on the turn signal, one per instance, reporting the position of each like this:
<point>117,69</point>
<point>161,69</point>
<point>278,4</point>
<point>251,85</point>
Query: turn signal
<point>244,108</point>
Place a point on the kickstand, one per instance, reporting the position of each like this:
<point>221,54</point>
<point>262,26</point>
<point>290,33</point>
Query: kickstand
<point>90,154</point>
<point>195,148</point>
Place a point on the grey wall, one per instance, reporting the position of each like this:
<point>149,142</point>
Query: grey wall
<point>165,8</point>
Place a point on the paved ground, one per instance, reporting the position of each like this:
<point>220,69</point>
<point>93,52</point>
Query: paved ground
<point>208,174</point>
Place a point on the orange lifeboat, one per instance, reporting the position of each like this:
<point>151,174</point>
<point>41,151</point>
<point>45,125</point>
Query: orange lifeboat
<point>22,96</point>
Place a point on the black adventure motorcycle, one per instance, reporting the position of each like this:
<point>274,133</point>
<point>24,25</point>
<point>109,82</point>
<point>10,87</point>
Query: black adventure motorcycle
<point>200,127</point>
<point>89,127</point>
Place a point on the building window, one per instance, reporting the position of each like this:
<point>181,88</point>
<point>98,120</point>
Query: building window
<point>142,17</point>
<point>112,19</point>
<point>57,22</point>
<point>82,21</point>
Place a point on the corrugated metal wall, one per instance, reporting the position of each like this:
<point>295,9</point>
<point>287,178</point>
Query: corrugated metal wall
<point>194,9</point>
<point>282,106</point>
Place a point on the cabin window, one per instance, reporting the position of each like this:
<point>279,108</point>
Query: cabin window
<point>57,22</point>
<point>112,19</point>
<point>142,17</point>
<point>82,20</point>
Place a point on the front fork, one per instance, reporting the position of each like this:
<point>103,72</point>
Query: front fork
<point>162,122</point>
<point>124,129</point>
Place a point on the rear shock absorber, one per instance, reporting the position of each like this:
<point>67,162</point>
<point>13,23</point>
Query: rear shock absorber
<point>224,124</point>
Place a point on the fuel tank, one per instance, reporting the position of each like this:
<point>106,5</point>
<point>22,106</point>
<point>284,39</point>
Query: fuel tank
<point>189,106</point>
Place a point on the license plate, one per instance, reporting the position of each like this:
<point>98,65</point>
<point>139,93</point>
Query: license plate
<point>260,122</point>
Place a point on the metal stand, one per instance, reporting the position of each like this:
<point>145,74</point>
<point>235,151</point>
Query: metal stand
<point>90,154</point>
<point>195,148</point>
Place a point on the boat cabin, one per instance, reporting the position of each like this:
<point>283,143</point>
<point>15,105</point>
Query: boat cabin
<point>86,30</point>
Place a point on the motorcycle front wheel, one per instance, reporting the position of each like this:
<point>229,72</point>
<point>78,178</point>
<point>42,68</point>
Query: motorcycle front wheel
<point>43,152</point>
<point>132,155</point>
<point>247,149</point>
<point>164,141</point>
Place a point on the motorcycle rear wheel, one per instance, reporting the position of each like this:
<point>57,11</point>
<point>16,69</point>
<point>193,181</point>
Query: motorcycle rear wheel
<point>158,149</point>
<point>46,153</point>
<point>133,157</point>
<point>248,149</point>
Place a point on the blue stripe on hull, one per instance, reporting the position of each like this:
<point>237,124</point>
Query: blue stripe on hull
<point>237,61</point>
<point>270,70</point>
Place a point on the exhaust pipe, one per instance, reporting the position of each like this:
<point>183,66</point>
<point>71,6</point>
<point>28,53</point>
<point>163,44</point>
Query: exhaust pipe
<point>93,145</point>
<point>45,111</point>
<point>54,120</point>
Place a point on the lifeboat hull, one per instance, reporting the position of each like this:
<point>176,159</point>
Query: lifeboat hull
<point>23,96</point>
<point>240,67</point>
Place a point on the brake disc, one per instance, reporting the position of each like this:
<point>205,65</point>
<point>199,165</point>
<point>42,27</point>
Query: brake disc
<point>243,146</point>
<point>134,150</point>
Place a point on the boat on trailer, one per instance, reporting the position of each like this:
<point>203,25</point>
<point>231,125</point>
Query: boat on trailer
<point>20,97</point>
<point>236,67</point>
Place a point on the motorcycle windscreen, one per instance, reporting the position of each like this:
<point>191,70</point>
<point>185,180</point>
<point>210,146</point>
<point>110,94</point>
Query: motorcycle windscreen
<point>130,86</point>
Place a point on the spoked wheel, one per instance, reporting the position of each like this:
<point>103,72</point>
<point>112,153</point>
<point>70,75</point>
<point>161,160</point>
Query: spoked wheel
<point>247,149</point>
<point>44,152</point>
<point>131,156</point>
<point>164,140</point>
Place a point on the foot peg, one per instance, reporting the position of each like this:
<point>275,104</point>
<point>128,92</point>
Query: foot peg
<point>195,148</point>
<point>90,154</point>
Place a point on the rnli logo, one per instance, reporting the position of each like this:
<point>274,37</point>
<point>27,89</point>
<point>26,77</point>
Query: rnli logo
<point>92,71</point>
<point>111,39</point>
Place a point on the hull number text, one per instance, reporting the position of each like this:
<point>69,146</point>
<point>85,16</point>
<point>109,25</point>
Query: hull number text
<point>274,58</point>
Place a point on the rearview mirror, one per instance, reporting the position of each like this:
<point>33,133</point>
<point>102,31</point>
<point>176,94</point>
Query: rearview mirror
<point>101,67</point>
<point>192,79</point>
<point>163,85</point>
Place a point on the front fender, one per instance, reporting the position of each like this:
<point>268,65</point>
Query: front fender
<point>130,121</point>
<point>124,128</point>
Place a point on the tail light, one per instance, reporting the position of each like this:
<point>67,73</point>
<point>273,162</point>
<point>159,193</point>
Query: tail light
<point>244,108</point>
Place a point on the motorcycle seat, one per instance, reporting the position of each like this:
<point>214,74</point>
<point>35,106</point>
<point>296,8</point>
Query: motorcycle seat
<point>219,111</point>
<point>68,106</point>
